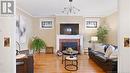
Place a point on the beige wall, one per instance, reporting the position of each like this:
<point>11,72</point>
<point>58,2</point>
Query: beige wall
<point>28,23</point>
<point>89,32</point>
<point>48,35</point>
<point>112,22</point>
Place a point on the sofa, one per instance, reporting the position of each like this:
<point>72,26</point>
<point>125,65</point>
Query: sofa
<point>109,65</point>
<point>25,65</point>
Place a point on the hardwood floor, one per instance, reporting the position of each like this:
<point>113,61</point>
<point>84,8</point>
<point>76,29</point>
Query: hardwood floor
<point>51,63</point>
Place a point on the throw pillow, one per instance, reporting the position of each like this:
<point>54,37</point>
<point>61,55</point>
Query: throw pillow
<point>114,54</point>
<point>109,51</point>
<point>106,46</point>
<point>99,48</point>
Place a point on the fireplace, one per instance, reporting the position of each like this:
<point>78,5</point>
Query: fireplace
<point>73,45</point>
<point>73,41</point>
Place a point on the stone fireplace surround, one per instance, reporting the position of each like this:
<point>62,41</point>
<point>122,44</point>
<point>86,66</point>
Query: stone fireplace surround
<point>69,38</point>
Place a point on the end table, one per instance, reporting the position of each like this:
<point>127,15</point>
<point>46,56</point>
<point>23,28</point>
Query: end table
<point>49,50</point>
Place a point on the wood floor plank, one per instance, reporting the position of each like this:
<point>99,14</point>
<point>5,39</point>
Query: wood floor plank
<point>51,63</point>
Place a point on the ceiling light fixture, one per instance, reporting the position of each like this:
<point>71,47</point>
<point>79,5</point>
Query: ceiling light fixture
<point>70,9</point>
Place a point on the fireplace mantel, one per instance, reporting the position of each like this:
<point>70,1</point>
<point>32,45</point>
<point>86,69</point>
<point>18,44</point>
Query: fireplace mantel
<point>59,37</point>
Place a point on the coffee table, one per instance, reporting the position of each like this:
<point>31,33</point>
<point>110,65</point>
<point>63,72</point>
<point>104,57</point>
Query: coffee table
<point>72,65</point>
<point>74,52</point>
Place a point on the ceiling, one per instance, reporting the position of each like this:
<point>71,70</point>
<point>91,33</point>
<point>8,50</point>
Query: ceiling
<point>54,7</point>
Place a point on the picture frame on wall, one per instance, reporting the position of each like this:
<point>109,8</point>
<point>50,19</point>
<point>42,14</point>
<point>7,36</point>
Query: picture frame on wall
<point>46,24</point>
<point>126,42</point>
<point>91,24</point>
<point>6,41</point>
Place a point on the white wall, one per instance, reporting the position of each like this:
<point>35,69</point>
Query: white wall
<point>124,31</point>
<point>7,55</point>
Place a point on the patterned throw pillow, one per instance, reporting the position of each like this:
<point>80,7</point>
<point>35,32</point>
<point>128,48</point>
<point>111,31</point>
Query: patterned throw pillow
<point>106,46</point>
<point>114,54</point>
<point>100,48</point>
<point>109,51</point>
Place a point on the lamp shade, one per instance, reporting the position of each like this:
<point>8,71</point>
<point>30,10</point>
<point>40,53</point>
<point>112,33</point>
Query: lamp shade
<point>94,38</point>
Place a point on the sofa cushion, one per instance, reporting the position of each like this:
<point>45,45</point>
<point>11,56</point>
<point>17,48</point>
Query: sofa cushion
<point>97,52</point>
<point>109,51</point>
<point>114,54</point>
<point>101,57</point>
<point>99,48</point>
<point>94,52</point>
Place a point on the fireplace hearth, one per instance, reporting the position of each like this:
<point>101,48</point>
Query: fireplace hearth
<point>73,41</point>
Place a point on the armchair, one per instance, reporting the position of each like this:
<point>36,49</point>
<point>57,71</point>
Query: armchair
<point>26,64</point>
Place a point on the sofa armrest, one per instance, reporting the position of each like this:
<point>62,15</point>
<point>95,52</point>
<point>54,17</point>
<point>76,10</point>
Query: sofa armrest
<point>114,60</point>
<point>89,48</point>
<point>24,52</point>
<point>112,65</point>
<point>21,61</point>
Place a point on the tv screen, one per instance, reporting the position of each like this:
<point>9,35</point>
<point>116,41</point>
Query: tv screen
<point>69,29</point>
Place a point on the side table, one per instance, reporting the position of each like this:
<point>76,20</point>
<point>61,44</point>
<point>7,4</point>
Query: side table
<point>49,50</point>
<point>85,50</point>
<point>71,64</point>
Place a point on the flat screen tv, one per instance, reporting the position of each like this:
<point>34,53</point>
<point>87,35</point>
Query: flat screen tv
<point>69,29</point>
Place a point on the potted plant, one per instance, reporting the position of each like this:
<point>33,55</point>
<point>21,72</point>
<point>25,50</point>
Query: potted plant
<point>38,44</point>
<point>102,32</point>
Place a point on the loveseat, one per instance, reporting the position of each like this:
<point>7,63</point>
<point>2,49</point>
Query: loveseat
<point>109,65</point>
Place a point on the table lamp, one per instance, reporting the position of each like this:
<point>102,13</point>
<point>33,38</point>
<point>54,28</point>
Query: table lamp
<point>94,39</point>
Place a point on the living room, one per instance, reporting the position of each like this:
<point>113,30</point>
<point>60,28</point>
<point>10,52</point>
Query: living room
<point>34,28</point>
<point>80,29</point>
<point>58,34</point>
<point>50,36</point>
